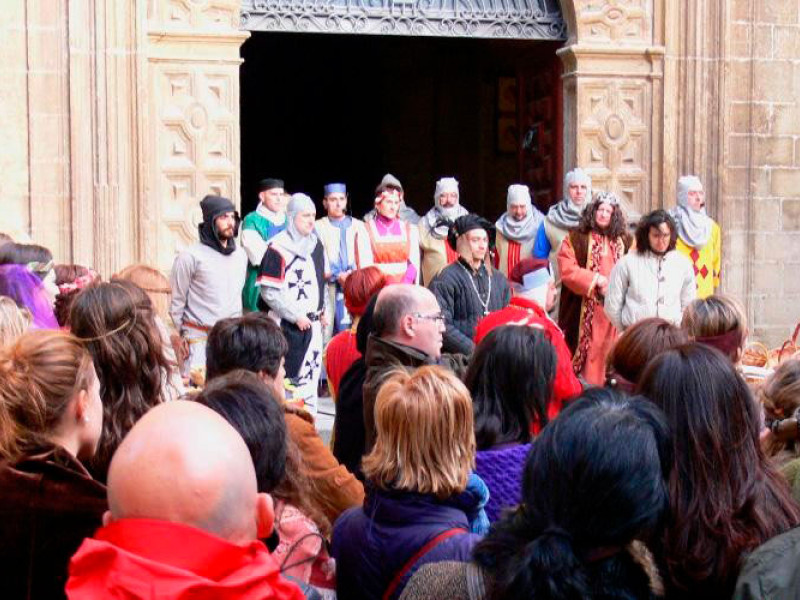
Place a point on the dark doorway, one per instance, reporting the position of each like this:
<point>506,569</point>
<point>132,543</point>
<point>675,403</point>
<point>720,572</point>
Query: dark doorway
<point>317,108</point>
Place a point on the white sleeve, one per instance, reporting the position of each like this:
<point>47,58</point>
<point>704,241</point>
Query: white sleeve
<point>689,287</point>
<point>617,291</point>
<point>363,248</point>
<point>254,245</point>
<point>180,280</point>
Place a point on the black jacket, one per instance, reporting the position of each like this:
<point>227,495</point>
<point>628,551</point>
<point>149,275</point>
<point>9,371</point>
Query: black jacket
<point>460,304</point>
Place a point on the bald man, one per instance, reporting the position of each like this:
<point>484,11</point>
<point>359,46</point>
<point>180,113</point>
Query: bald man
<point>407,326</point>
<point>185,516</point>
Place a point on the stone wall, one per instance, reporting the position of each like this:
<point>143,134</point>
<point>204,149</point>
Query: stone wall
<point>761,183</point>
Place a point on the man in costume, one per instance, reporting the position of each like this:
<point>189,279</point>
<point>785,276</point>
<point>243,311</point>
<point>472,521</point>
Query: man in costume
<point>469,289</point>
<point>563,217</point>
<point>516,228</point>
<point>394,243</point>
<point>346,244</point>
<point>207,279</point>
<point>292,281</point>
<point>267,220</point>
<point>185,516</point>
<point>699,236</point>
<point>433,227</point>
<point>586,259</point>
<point>405,212</point>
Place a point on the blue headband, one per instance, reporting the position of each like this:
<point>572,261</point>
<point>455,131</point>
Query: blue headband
<point>335,188</point>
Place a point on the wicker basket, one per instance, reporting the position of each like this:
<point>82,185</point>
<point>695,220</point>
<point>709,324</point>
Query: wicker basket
<point>757,354</point>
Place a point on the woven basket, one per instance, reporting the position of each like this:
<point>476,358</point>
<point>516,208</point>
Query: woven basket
<point>757,354</point>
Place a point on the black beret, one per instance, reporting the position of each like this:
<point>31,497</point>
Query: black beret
<point>467,223</point>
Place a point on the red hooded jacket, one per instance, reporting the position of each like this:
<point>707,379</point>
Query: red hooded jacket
<point>521,310</point>
<point>145,558</point>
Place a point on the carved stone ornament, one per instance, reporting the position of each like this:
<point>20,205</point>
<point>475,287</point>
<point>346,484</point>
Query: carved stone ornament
<point>517,19</point>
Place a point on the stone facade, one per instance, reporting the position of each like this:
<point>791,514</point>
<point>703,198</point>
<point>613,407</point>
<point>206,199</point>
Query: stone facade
<point>118,115</point>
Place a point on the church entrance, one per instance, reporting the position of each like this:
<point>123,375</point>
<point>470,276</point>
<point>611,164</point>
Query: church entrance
<point>342,107</point>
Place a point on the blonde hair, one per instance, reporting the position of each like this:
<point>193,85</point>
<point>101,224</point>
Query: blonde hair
<point>14,321</point>
<point>780,396</point>
<point>425,436</point>
<point>154,283</point>
<point>715,316</point>
<point>39,376</point>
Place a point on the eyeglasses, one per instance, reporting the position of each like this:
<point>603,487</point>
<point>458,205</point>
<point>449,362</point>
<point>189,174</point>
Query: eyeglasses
<point>435,317</point>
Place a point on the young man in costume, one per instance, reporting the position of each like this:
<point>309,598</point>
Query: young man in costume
<point>267,220</point>
<point>469,289</point>
<point>207,278</point>
<point>516,228</point>
<point>699,236</point>
<point>292,282</point>
<point>346,244</point>
<point>433,227</point>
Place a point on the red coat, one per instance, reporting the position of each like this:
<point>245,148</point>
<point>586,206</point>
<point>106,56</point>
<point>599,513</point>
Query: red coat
<point>145,558</point>
<point>340,354</point>
<point>521,310</point>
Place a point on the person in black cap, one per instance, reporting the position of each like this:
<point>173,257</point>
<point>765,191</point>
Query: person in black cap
<point>207,278</point>
<point>268,219</point>
<point>469,289</point>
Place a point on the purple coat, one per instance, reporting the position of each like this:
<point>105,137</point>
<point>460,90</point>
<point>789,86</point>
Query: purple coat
<point>372,543</point>
<point>501,470</point>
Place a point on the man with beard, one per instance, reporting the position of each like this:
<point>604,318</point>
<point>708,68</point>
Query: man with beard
<point>469,289</point>
<point>207,278</point>
<point>292,283</point>
<point>517,228</point>
<point>433,227</point>
<point>267,220</point>
<point>699,237</point>
<point>653,281</point>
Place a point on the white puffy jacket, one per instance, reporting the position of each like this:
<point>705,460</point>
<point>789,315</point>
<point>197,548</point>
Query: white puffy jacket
<point>647,285</point>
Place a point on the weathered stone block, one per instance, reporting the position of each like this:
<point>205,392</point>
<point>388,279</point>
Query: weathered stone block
<point>764,47</point>
<point>787,42</point>
<point>791,284</point>
<point>790,217</point>
<point>741,40</point>
<point>772,151</point>
<point>739,150</point>
<point>741,9</point>
<point>739,79</point>
<point>767,77</point>
<point>776,11</point>
<point>767,214</point>
<point>785,118</point>
<point>776,246</point>
<point>786,183</point>
<point>768,278</point>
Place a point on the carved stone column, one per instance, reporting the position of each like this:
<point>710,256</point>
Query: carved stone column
<point>193,117</point>
<point>613,97</point>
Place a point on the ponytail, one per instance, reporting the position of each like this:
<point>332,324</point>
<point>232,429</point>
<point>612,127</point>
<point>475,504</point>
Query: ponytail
<point>39,376</point>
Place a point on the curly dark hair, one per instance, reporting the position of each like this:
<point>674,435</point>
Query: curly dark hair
<point>616,229</point>
<point>655,219</point>
<point>116,322</point>
<point>68,274</point>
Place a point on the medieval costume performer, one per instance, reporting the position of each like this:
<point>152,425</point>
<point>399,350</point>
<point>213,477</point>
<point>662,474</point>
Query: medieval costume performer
<point>516,228</point>
<point>433,227</point>
<point>405,212</point>
<point>560,220</point>
<point>292,281</point>
<point>258,227</point>
<point>586,258</point>
<point>394,243</point>
<point>346,244</point>
<point>469,289</point>
<point>699,236</point>
<point>207,279</point>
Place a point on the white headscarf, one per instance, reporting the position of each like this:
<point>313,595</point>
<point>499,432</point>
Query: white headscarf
<point>566,214</point>
<point>526,229</point>
<point>439,213</point>
<point>694,226</point>
<point>291,239</point>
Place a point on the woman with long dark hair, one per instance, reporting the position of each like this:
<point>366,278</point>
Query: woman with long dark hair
<point>585,260</point>
<point>510,378</point>
<point>115,322</point>
<point>725,496</point>
<point>593,491</point>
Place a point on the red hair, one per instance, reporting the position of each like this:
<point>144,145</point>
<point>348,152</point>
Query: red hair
<point>360,286</point>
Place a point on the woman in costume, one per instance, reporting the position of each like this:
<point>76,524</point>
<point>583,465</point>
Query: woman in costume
<point>585,260</point>
<point>394,242</point>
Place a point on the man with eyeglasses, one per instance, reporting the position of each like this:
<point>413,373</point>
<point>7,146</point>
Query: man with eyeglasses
<point>655,280</point>
<point>470,288</point>
<point>407,332</point>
